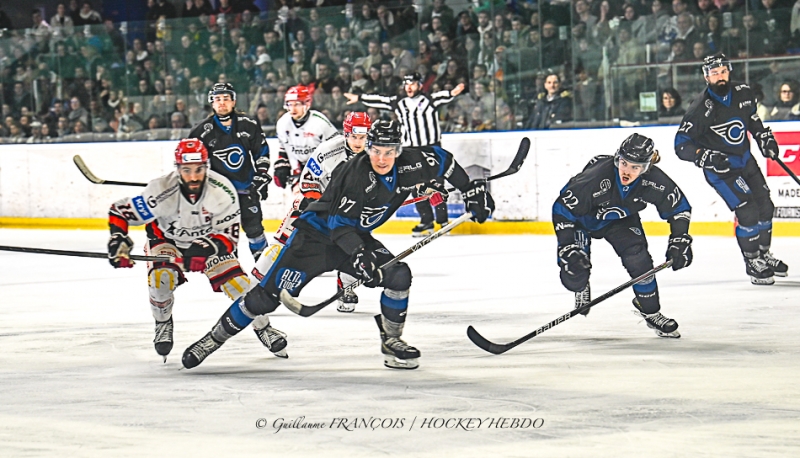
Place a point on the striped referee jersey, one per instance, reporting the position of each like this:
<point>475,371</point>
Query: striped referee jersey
<point>417,115</point>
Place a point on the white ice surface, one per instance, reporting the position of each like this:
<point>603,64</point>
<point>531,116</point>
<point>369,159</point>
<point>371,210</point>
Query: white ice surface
<point>79,376</point>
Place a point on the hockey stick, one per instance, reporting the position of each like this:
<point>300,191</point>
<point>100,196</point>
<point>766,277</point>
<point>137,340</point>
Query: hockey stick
<point>94,179</point>
<point>85,254</point>
<point>307,310</point>
<point>516,164</point>
<point>787,169</point>
<point>498,349</point>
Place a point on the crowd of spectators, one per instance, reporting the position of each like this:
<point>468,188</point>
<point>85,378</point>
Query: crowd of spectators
<point>526,65</point>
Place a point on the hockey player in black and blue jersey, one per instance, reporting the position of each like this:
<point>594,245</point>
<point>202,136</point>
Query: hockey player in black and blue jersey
<point>335,233</point>
<point>603,202</point>
<point>713,135</point>
<point>238,150</point>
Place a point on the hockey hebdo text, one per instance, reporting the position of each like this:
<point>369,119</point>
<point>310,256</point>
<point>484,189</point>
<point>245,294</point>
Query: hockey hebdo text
<point>400,423</point>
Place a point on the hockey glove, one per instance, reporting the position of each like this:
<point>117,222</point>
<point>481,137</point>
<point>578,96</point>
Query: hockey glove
<point>573,259</point>
<point>262,178</point>
<point>768,145</point>
<point>119,248</point>
<point>282,172</point>
<point>194,257</point>
<point>679,250</point>
<point>364,263</point>
<point>714,161</point>
<point>478,201</point>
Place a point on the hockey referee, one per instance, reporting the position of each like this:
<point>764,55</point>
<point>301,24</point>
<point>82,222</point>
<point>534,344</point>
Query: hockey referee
<point>417,114</point>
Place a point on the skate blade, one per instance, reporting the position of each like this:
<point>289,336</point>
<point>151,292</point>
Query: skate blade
<point>345,308</point>
<point>781,274</point>
<point>762,281</point>
<point>393,362</point>
<point>672,335</point>
<point>281,354</point>
<point>421,234</point>
<point>165,359</point>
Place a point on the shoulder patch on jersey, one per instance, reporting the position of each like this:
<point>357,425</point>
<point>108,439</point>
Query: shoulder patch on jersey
<point>245,118</point>
<point>141,207</point>
<point>314,167</point>
<point>653,184</point>
<point>322,117</point>
<point>224,187</point>
<point>154,201</point>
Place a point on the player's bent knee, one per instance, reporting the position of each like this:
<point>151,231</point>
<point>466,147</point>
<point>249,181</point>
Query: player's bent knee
<point>637,259</point>
<point>398,277</point>
<point>225,274</point>
<point>259,301</point>
<point>162,281</point>
<point>748,214</point>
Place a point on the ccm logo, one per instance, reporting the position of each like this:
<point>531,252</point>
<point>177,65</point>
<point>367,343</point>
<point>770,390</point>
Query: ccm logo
<point>789,146</point>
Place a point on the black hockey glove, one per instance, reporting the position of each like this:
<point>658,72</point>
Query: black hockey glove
<point>573,259</point>
<point>714,161</point>
<point>282,172</point>
<point>364,263</point>
<point>478,201</point>
<point>119,248</point>
<point>262,179</point>
<point>679,250</point>
<point>194,257</point>
<point>768,145</point>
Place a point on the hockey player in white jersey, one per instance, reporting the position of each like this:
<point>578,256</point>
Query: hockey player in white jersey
<point>314,178</point>
<point>192,214</point>
<point>300,130</point>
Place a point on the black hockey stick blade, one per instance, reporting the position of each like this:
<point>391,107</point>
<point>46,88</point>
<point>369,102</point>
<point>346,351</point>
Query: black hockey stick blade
<point>787,169</point>
<point>94,179</point>
<point>516,163</point>
<point>498,349</point>
<point>307,310</point>
<point>82,254</point>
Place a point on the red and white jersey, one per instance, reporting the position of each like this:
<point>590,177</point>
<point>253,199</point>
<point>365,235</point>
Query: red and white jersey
<point>297,143</point>
<point>174,217</point>
<point>317,172</point>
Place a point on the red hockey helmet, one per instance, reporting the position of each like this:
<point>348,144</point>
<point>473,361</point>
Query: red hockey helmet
<point>191,151</point>
<point>297,94</point>
<point>357,122</point>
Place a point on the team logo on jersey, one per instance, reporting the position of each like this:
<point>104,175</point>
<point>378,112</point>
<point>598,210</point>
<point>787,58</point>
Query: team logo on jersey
<point>605,185</point>
<point>636,230</point>
<point>710,106</point>
<point>733,131</point>
<point>372,216</point>
<point>611,213</point>
<point>231,157</point>
<point>289,279</point>
<point>314,167</point>
<point>742,185</point>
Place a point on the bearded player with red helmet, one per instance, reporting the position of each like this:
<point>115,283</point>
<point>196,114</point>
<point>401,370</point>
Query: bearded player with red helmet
<point>191,214</point>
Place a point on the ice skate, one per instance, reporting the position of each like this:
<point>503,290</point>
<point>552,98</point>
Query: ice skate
<point>779,268</point>
<point>759,271</point>
<point>163,340</point>
<point>199,351</point>
<point>663,326</point>
<point>422,230</point>
<point>397,354</point>
<point>274,340</point>
<point>582,298</point>
<point>347,303</point>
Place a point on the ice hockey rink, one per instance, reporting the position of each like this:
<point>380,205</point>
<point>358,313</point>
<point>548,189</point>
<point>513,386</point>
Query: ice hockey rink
<point>79,376</point>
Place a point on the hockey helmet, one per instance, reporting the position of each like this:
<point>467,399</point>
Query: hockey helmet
<point>221,88</point>
<point>191,151</point>
<point>297,94</point>
<point>412,78</point>
<point>716,60</point>
<point>384,133</point>
<point>357,122</point>
<point>637,149</point>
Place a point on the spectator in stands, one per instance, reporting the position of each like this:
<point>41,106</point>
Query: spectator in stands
<point>389,84</point>
<point>466,27</point>
<point>373,57</point>
<point>77,112</point>
<point>479,122</point>
<point>194,8</point>
<point>20,98</point>
<point>80,127</point>
<point>670,104</point>
<point>366,26</point>
<point>587,95</point>
<point>87,16</point>
<point>653,23</point>
<point>584,14</point>
<point>63,128</point>
<point>389,27</point>
<point>401,58</point>
<point>787,107</point>
<point>776,19</point>
<point>552,48</point>
<point>553,107</point>
<point>40,30</point>
<point>154,122</point>
<point>713,33</point>
<point>760,42</point>
<point>437,10</point>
